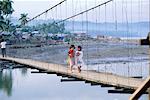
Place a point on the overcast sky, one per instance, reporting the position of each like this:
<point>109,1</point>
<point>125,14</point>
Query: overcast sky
<point>140,9</point>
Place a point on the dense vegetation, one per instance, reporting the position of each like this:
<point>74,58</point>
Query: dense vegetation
<point>46,28</point>
<point>5,14</point>
<point>6,25</point>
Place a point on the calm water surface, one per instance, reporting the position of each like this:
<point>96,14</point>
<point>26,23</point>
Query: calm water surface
<point>21,84</point>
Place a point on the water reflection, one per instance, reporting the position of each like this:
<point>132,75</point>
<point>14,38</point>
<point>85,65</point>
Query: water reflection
<point>21,84</point>
<point>24,71</point>
<point>6,77</point>
<point>6,82</point>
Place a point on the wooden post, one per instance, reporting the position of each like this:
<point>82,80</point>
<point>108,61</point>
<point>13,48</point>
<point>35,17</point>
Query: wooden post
<point>145,85</point>
<point>141,89</point>
<point>149,93</point>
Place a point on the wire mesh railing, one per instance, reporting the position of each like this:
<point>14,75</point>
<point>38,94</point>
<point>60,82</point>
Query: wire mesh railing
<point>99,29</point>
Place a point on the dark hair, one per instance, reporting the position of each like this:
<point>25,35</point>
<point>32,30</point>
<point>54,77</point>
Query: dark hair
<point>80,48</point>
<point>72,46</point>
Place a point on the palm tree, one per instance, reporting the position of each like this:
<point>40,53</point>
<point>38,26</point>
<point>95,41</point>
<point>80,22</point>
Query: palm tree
<point>6,7</point>
<point>9,25</point>
<point>23,19</point>
<point>5,10</point>
<point>2,23</point>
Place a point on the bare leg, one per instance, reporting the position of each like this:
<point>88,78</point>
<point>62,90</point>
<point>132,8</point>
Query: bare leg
<point>70,64</point>
<point>4,52</point>
<point>71,68</point>
<point>79,69</point>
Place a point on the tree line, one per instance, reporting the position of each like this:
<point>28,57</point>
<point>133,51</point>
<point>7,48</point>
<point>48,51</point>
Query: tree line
<point>6,10</point>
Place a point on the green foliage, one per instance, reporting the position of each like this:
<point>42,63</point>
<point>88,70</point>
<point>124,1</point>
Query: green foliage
<point>6,7</point>
<point>23,18</point>
<point>26,29</point>
<point>6,82</point>
<point>5,10</point>
<point>50,28</point>
<point>67,40</point>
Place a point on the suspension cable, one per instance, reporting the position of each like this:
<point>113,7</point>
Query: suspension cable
<point>85,11</point>
<point>46,11</point>
<point>127,37</point>
<point>73,11</point>
<point>116,16</point>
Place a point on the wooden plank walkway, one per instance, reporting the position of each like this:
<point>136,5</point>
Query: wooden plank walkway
<point>102,78</point>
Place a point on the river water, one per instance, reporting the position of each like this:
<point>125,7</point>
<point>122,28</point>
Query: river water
<point>21,84</point>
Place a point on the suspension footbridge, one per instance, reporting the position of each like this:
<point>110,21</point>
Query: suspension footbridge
<point>91,76</point>
<point>111,17</point>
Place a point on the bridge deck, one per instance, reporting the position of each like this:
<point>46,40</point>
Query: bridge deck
<point>102,78</point>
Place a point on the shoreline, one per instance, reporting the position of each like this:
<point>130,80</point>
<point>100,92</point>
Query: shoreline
<point>101,51</point>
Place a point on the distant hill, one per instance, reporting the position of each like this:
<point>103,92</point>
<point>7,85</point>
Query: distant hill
<point>138,29</point>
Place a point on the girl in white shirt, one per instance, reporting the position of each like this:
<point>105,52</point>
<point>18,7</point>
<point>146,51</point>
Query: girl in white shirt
<point>78,57</point>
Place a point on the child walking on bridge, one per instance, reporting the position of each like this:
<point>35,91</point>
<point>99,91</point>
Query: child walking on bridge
<point>78,58</point>
<point>71,59</point>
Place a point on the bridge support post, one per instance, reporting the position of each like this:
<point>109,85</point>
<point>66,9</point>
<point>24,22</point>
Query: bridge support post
<point>141,89</point>
<point>149,94</point>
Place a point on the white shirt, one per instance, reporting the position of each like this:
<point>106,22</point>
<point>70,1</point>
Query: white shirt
<point>79,54</point>
<point>78,58</point>
<point>3,44</point>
